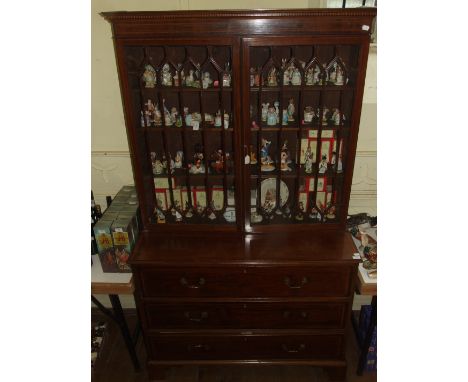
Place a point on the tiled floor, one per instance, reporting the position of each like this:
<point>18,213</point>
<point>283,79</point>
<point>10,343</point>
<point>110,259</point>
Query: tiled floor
<point>114,365</point>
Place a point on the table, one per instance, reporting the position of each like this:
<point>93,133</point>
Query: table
<point>368,287</point>
<point>114,284</point>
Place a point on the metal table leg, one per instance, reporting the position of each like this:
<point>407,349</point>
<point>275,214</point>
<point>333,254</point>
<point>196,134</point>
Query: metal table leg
<point>368,337</point>
<point>118,316</point>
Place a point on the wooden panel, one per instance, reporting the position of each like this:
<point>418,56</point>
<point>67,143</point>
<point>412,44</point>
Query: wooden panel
<point>271,346</point>
<point>246,282</point>
<point>257,315</point>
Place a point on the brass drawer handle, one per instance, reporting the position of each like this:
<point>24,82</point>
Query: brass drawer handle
<point>198,347</point>
<point>196,317</point>
<point>287,314</point>
<point>288,282</point>
<point>197,285</point>
<point>297,349</point>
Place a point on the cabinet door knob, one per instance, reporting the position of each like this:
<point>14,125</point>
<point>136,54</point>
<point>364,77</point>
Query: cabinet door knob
<point>197,285</point>
<point>293,349</point>
<point>290,284</point>
<point>196,317</point>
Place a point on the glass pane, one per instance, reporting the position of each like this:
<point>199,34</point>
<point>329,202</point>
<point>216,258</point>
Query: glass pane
<point>301,99</point>
<point>183,106</point>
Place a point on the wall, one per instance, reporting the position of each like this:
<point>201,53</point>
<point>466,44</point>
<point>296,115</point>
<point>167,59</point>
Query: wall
<point>110,159</point>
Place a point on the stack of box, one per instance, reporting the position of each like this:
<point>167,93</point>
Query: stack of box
<point>117,231</point>
<point>364,322</point>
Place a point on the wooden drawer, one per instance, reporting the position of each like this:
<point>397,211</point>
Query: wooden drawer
<point>252,315</point>
<point>243,347</point>
<point>246,281</point>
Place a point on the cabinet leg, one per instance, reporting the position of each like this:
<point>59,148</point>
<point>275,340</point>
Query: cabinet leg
<point>157,373</point>
<point>336,373</point>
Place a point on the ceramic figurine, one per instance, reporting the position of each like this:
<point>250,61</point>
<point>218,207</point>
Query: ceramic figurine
<point>333,160</point>
<point>197,168</point>
<point>308,114</point>
<point>314,214</point>
<point>269,203</point>
<point>296,77</point>
<point>218,161</point>
<point>310,77</point>
<point>253,155</point>
<point>157,116</point>
<point>174,115</point>
<point>206,81</point>
<point>300,214</point>
<point>308,160</point>
<point>286,73</point>
<point>255,217</point>
<point>323,75</point>
<point>227,76</point>
<point>276,103</point>
<point>331,212</point>
<point>291,110</point>
<point>336,117</point>
<point>176,77</point>
<point>285,120</point>
<point>210,211</point>
<point>209,118</point>
<point>178,159</point>
<point>150,110</point>
<point>285,157</point>
<point>161,218</point>
<point>287,212</point>
<point>218,120</point>
<point>325,116</point>
<point>192,79</point>
<point>188,117</point>
<point>323,165</point>
<point>271,116</point>
<point>166,75</point>
<point>339,76</point>
<point>149,76</point>
<point>265,159</point>
<point>189,209</point>
<point>332,75</point>
<point>272,80</point>
<point>142,120</point>
<point>265,111</point>
<point>158,167</point>
<point>178,122</point>
<point>226,120</point>
<point>167,115</point>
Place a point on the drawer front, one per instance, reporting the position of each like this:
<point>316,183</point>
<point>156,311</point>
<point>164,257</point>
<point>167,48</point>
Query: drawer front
<point>242,347</point>
<point>255,315</point>
<point>246,281</point>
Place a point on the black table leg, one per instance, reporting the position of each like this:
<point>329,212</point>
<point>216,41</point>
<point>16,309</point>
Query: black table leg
<point>368,337</point>
<point>119,317</point>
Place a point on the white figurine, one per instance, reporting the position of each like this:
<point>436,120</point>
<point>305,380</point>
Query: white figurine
<point>149,76</point>
<point>323,165</point>
<point>308,160</point>
<point>265,111</point>
<point>339,76</point>
<point>291,110</point>
<point>207,81</point>
<point>296,77</point>
<point>336,117</point>
<point>166,75</point>
<point>271,116</point>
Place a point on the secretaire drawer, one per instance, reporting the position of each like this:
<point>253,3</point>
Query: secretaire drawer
<point>202,347</point>
<point>246,281</point>
<point>249,315</point>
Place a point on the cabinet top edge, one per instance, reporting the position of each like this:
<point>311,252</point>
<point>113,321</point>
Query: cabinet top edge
<point>131,16</point>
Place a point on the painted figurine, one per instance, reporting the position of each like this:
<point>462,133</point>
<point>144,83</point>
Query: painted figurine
<point>296,78</point>
<point>166,75</point>
<point>179,159</point>
<point>227,76</point>
<point>272,116</point>
<point>323,165</point>
<point>188,117</point>
<point>265,111</point>
<point>300,213</point>
<point>325,116</point>
<point>217,161</point>
<point>149,76</point>
<point>309,114</point>
<point>226,120</point>
<point>206,81</point>
<point>291,110</point>
<point>276,103</point>
<point>265,159</point>
<point>285,157</point>
<point>339,76</point>
<point>285,118</point>
<point>336,117</point>
<point>217,119</point>
<point>253,155</point>
<point>272,80</point>
<point>189,210</point>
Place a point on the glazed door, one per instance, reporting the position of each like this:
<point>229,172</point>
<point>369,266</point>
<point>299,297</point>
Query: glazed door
<point>183,124</point>
<point>301,102</point>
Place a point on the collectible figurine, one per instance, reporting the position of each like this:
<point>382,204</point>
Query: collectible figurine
<point>287,212</point>
<point>271,116</point>
<point>209,118</point>
<point>308,114</point>
<point>269,203</point>
<point>178,159</point>
<point>310,76</point>
<point>285,157</point>
<point>323,165</point>
<point>285,119</point>
<point>157,167</point>
<point>255,217</point>
<point>166,75</point>
<point>174,115</point>
<point>332,75</point>
<point>291,110</point>
<point>276,103</point>
<point>218,121</point>
<point>314,214</point>
<point>149,76</point>
<point>252,77</point>
<point>272,80</point>
<point>192,79</point>
<point>287,72</point>
<point>226,120</point>
<point>296,77</point>
<point>227,76</point>
<point>150,110</point>
<point>198,166</point>
<point>210,211</point>
<point>189,209</point>
<point>339,76</point>
<point>265,111</point>
<point>265,160</point>
<point>178,122</point>
<point>308,160</point>
<point>300,214</point>
<point>167,114</point>
<point>206,81</point>
<point>176,76</point>
<point>331,212</point>
<point>253,155</point>
<point>157,116</point>
<point>336,117</point>
<point>217,161</point>
<point>325,116</point>
<point>188,117</point>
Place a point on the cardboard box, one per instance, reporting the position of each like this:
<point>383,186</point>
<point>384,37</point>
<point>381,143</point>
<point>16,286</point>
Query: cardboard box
<point>122,236</point>
<point>105,244</point>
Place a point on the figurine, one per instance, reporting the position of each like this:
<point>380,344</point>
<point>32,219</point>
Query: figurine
<point>314,214</point>
<point>333,160</point>
<point>266,161</point>
<point>198,166</point>
<point>226,120</point>
<point>188,117</point>
<point>210,211</point>
<point>285,120</point>
<point>309,114</point>
<point>291,110</point>
<point>300,214</point>
<point>324,75</point>
<point>269,203</point>
<point>255,217</point>
<point>189,209</point>
<point>150,111</point>
<point>174,115</point>
<point>252,77</point>
<point>253,156</point>
<point>167,115</point>
<point>296,77</point>
<point>227,76</point>
<point>206,81</point>
<point>161,218</point>
<point>166,75</point>
<point>169,167</point>
<point>285,158</point>
<point>287,212</point>
<point>149,76</point>
<point>157,167</point>
<point>325,116</point>
<point>339,76</point>
<point>218,120</point>
<point>192,79</point>
<point>276,103</point>
<point>308,160</point>
<point>157,116</point>
<point>271,116</point>
<point>331,212</point>
<point>310,76</point>
<point>336,117</point>
<point>323,165</point>
<point>178,122</point>
<point>287,71</point>
<point>265,111</point>
<point>176,76</point>
<point>218,161</point>
<point>178,159</point>
<point>142,120</point>
<point>332,75</point>
<point>272,80</point>
<point>209,118</point>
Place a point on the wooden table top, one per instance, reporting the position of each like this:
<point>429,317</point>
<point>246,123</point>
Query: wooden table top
<point>109,283</point>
